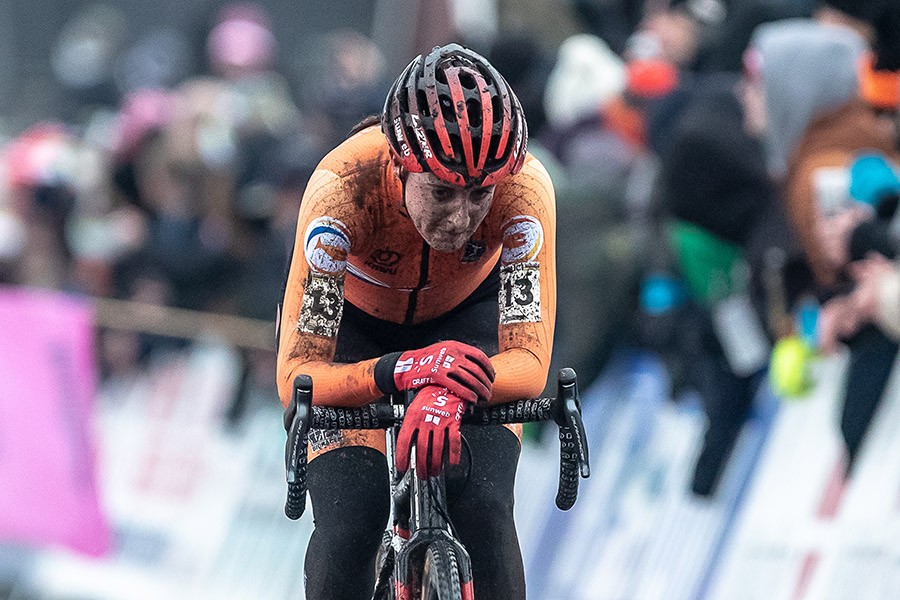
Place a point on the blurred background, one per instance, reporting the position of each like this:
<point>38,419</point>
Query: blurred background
<point>727,186</point>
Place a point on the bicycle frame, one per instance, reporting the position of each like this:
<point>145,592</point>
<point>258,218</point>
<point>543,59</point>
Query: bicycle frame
<point>421,528</point>
<point>419,516</point>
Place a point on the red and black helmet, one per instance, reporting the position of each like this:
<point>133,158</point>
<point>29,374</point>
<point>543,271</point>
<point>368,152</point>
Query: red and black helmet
<point>452,114</point>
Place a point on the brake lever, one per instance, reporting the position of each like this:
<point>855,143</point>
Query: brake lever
<point>568,416</point>
<point>296,424</point>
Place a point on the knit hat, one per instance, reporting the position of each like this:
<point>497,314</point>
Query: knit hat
<point>587,74</point>
<point>878,87</point>
<point>650,78</point>
<point>242,38</point>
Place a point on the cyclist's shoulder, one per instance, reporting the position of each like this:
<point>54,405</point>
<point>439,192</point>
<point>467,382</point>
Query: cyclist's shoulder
<point>531,187</point>
<point>349,177</point>
<point>363,156</point>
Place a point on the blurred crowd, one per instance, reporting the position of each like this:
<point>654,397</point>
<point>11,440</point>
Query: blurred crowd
<point>726,176</point>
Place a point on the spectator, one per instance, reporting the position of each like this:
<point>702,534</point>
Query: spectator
<point>876,297</point>
<point>598,137</point>
<point>815,124</point>
<point>716,200</point>
<point>351,82</point>
<point>612,21</point>
<point>40,167</point>
<point>526,67</point>
<point>725,47</point>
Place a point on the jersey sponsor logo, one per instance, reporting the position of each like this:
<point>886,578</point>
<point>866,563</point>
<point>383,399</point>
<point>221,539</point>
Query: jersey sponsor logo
<point>320,439</point>
<point>356,272</point>
<point>327,245</point>
<point>523,238</point>
<point>474,251</point>
<point>520,293</point>
<point>322,306</point>
<point>384,261</point>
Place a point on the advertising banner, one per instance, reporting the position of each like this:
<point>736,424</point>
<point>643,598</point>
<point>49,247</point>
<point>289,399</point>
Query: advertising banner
<point>48,488</point>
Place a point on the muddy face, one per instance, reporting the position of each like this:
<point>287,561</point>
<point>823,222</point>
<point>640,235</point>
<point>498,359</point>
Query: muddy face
<point>444,214</point>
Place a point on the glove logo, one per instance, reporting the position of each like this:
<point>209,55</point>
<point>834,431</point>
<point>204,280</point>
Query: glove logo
<point>403,366</point>
<point>432,419</point>
<point>440,360</point>
<point>436,412</point>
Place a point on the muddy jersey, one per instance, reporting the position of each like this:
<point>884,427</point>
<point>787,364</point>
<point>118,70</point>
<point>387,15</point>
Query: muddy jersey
<point>356,242</point>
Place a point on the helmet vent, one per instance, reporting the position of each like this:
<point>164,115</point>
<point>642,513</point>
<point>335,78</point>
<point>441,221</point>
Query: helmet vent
<point>447,109</point>
<point>497,110</point>
<point>466,80</point>
<point>422,101</point>
<point>474,110</point>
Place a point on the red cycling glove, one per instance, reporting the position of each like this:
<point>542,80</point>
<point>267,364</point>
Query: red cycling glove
<point>432,423</point>
<point>464,370</point>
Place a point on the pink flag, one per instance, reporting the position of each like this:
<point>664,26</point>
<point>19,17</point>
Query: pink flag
<point>48,488</point>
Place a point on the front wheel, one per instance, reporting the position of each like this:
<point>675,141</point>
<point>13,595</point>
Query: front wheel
<point>440,577</point>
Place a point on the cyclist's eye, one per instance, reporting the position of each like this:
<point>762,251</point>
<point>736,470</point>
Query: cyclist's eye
<point>441,193</point>
<point>480,195</point>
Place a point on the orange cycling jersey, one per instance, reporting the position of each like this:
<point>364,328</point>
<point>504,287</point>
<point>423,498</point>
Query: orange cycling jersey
<point>355,241</point>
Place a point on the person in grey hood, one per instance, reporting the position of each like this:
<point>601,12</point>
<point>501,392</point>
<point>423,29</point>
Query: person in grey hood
<point>803,97</point>
<point>797,69</point>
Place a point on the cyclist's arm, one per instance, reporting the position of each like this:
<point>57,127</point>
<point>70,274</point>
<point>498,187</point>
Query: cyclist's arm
<point>527,286</point>
<point>314,299</point>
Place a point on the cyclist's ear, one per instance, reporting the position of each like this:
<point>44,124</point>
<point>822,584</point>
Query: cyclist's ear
<point>399,170</point>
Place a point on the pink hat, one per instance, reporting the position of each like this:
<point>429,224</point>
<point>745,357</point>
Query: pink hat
<point>242,38</point>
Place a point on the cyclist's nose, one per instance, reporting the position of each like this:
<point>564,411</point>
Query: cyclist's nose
<point>459,218</point>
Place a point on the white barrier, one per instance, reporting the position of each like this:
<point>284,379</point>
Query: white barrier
<point>197,508</point>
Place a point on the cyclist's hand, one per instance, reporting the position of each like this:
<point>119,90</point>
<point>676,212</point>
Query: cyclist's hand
<point>464,370</point>
<point>432,422</point>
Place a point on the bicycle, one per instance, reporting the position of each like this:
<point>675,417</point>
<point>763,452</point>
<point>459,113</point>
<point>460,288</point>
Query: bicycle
<point>420,555</point>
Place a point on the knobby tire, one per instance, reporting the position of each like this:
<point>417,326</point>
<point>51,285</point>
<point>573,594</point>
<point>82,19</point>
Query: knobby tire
<point>440,577</point>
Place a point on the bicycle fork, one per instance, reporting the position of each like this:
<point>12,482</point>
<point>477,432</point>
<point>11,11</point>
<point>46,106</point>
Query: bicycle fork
<point>429,527</point>
<point>420,520</point>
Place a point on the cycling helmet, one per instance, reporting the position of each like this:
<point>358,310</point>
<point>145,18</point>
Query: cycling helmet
<point>452,114</point>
